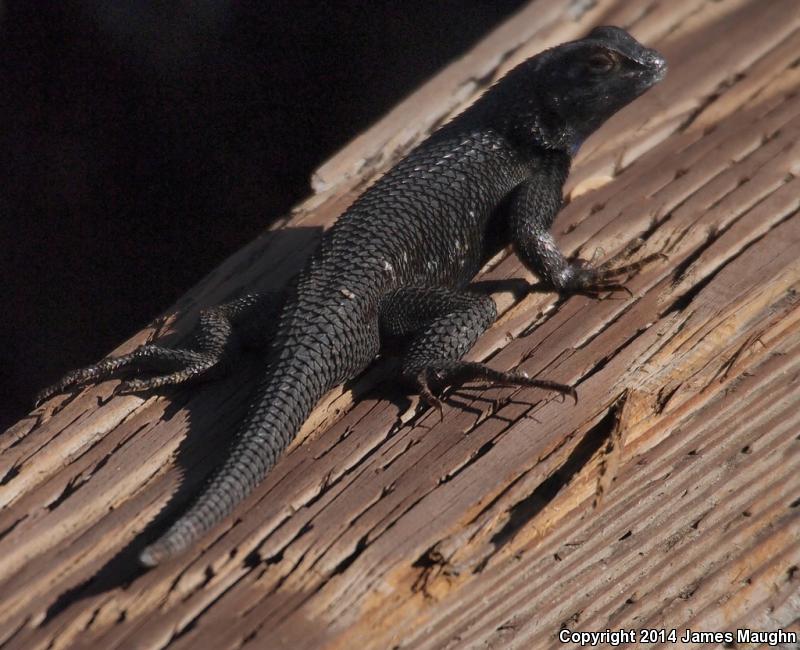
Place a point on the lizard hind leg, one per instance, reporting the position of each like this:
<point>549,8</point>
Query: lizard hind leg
<point>183,363</point>
<point>441,325</point>
<point>214,348</point>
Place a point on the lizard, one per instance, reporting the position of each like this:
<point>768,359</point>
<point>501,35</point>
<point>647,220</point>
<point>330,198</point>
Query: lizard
<point>397,264</point>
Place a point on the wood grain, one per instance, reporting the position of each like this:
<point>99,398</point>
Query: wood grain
<point>667,497</point>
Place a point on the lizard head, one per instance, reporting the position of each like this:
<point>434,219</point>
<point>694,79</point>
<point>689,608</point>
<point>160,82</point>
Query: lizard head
<point>573,88</point>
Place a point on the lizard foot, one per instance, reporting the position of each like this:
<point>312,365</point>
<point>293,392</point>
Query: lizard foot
<point>456,373</point>
<point>585,279</point>
<point>426,394</point>
<point>178,366</point>
<point>213,348</point>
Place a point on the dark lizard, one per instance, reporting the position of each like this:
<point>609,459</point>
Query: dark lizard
<point>396,265</point>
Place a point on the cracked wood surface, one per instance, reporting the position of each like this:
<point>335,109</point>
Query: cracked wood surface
<point>668,497</point>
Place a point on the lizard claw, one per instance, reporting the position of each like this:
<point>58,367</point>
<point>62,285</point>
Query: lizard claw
<point>597,291</point>
<point>628,269</point>
<point>587,280</point>
<point>427,395</point>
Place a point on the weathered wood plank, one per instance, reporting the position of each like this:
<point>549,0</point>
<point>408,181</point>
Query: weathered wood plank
<point>667,497</point>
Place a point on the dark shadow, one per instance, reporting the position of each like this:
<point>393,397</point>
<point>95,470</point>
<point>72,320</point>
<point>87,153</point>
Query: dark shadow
<point>148,141</point>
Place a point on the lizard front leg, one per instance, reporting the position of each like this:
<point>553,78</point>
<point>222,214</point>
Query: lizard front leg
<point>440,326</point>
<point>533,208</point>
<point>248,321</point>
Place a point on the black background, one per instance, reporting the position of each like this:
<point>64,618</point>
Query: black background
<point>141,143</point>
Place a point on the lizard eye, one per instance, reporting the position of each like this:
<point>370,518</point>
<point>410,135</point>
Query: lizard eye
<point>601,63</point>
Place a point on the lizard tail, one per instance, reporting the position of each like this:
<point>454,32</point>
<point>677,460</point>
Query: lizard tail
<point>284,401</point>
